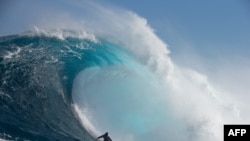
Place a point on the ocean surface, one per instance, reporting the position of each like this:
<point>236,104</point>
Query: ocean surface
<point>37,74</point>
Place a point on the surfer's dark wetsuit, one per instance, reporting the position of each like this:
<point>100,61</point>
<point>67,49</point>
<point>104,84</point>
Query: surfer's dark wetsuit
<point>105,137</point>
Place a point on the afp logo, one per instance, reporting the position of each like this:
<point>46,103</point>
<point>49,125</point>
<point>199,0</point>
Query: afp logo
<point>236,132</point>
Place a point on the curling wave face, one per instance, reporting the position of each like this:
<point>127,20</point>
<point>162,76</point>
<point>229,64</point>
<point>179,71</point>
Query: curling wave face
<point>37,72</point>
<point>39,100</point>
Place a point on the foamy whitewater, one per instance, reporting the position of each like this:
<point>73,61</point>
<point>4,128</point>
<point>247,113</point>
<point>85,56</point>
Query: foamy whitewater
<point>78,76</point>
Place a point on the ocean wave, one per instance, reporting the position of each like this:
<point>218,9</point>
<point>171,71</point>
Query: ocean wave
<point>113,73</point>
<point>36,79</point>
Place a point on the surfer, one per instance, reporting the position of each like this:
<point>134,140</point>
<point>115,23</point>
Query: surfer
<point>105,137</point>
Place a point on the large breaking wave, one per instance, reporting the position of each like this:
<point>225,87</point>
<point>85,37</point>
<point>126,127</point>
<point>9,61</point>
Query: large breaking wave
<point>116,75</point>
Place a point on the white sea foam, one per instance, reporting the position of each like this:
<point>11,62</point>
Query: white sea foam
<point>61,33</point>
<point>85,118</point>
<point>9,54</point>
<point>4,135</point>
<point>199,109</point>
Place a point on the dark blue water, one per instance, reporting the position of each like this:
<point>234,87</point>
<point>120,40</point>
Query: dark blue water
<point>37,73</point>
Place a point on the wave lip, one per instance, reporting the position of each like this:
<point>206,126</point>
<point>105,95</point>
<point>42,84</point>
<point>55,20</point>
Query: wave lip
<point>61,33</point>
